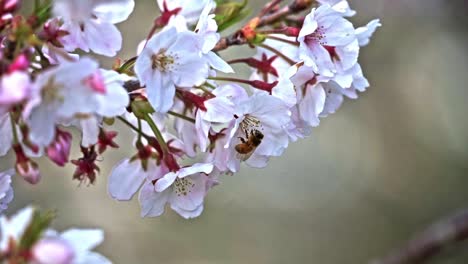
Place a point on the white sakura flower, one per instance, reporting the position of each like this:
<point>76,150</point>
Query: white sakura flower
<point>341,6</point>
<point>184,190</point>
<point>365,33</point>
<point>6,191</point>
<point>207,30</point>
<point>335,91</point>
<point>90,24</point>
<point>13,228</point>
<point>69,91</point>
<point>170,59</point>
<point>352,79</point>
<point>262,116</point>
<point>82,241</point>
<point>189,9</point>
<point>73,246</point>
<point>311,94</point>
<point>327,38</point>
<point>110,104</point>
<point>218,112</point>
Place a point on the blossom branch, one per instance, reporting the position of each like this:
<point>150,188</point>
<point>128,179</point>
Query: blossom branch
<point>237,38</point>
<point>431,242</point>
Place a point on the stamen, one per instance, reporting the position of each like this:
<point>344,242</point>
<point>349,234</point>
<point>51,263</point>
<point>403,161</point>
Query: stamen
<point>162,61</point>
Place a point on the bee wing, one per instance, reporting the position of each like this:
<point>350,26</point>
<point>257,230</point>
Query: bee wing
<point>246,156</point>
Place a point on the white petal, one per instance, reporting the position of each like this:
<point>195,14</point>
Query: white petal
<point>365,33</point>
<point>125,179</point>
<point>116,99</point>
<point>165,182</point>
<point>219,109</point>
<point>151,202</point>
<point>83,240</point>
<point>104,39</point>
<point>194,193</point>
<point>114,12</point>
<point>161,92</point>
<point>92,258</point>
<point>42,126</point>
<point>218,63</point>
<point>14,227</point>
<point>188,214</point>
<point>90,131</point>
<point>312,104</point>
<point>196,168</point>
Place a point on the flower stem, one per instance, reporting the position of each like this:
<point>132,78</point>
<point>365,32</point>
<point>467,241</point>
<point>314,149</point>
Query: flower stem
<point>186,118</point>
<point>13,129</point>
<point>209,85</point>
<point>294,43</point>
<point>136,129</point>
<point>228,79</point>
<point>139,128</point>
<point>157,133</point>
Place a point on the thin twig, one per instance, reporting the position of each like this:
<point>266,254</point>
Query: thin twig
<point>431,242</point>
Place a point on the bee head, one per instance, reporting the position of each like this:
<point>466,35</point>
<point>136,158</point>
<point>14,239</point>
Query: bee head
<point>258,134</point>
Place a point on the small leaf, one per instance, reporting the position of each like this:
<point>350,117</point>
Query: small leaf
<point>229,12</point>
<point>40,222</point>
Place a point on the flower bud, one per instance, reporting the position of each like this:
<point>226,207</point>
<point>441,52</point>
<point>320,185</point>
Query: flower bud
<point>53,250</point>
<point>29,171</point>
<point>59,150</point>
<point>21,63</point>
<point>25,167</point>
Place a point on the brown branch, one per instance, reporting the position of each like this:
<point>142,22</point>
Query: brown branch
<point>295,7</point>
<point>232,40</point>
<point>431,242</point>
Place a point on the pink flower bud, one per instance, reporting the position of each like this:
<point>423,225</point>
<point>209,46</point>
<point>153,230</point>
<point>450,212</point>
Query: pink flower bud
<point>29,171</point>
<point>21,63</point>
<point>10,5</point>
<point>25,167</point>
<point>53,250</point>
<point>59,150</point>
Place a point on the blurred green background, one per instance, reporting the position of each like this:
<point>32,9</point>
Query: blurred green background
<point>372,175</point>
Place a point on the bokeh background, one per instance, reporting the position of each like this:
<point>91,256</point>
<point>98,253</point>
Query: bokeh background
<point>370,177</point>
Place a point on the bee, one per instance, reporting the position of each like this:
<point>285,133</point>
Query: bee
<point>249,144</point>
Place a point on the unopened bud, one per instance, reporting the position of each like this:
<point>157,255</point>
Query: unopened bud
<point>141,107</point>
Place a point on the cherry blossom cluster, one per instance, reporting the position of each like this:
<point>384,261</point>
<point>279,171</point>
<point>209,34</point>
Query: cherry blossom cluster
<point>26,238</point>
<point>194,120</point>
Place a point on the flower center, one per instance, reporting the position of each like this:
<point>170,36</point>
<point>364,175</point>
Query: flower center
<point>317,36</point>
<point>51,91</point>
<point>183,186</point>
<point>162,61</point>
